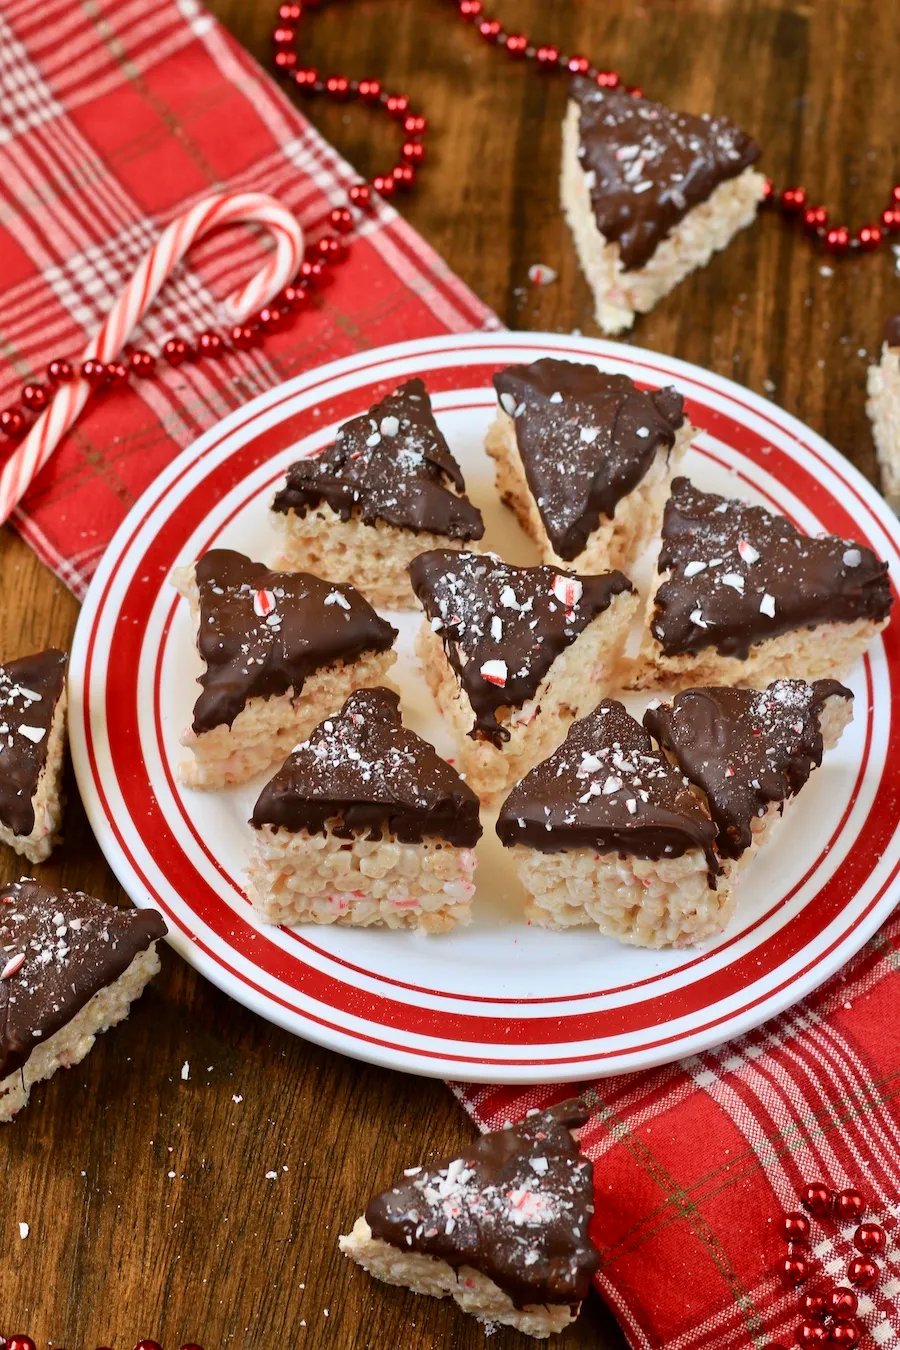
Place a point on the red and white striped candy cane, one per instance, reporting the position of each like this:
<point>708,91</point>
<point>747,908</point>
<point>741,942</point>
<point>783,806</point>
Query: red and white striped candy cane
<point>137,297</point>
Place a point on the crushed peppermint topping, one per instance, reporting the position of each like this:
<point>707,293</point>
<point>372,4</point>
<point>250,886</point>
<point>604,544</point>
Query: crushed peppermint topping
<point>568,590</point>
<point>767,605</point>
<point>33,734</point>
<point>263,603</point>
<point>390,425</point>
<point>693,569</point>
<point>852,557</point>
<point>747,552</point>
<point>494,671</point>
<point>336,598</point>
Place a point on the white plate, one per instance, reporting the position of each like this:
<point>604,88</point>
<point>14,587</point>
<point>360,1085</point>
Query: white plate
<point>497,1001</point>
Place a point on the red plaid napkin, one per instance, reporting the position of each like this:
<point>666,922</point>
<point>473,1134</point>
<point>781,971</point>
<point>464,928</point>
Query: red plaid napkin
<point>115,117</point>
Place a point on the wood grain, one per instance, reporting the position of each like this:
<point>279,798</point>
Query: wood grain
<point>121,1248</point>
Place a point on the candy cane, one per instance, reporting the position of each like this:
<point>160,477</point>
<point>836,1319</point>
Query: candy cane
<point>137,297</point>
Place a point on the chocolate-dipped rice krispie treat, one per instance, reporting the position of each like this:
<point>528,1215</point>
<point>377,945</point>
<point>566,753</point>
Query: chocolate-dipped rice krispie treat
<point>585,459</point>
<point>32,742</point>
<point>70,967</point>
<point>502,1230</point>
<point>387,489</point>
<point>281,649</point>
<point>883,408</point>
<point>650,194</point>
<point>608,832</point>
<point>365,824</point>
<point>514,654</point>
<point>750,751</point>
<point>743,597</point>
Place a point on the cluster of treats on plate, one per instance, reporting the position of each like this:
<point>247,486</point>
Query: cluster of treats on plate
<point>639,828</point>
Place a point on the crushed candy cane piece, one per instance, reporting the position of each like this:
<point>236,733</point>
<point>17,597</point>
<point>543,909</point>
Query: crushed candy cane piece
<point>697,619</point>
<point>734,580</point>
<point>495,672</point>
<point>508,403</point>
<point>13,966</point>
<point>34,734</point>
<point>390,426</point>
<point>748,553</point>
<point>539,274</point>
<point>852,557</point>
<point>767,606</point>
<point>589,434</point>
<point>335,598</point>
<point>568,590</point>
<point>263,603</point>
<point>693,569</point>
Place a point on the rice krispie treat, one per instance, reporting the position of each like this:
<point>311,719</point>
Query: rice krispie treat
<point>883,408</point>
<point>32,742</point>
<point>608,832</point>
<point>503,1230</point>
<point>387,489</point>
<point>281,649</point>
<point>650,194</point>
<point>585,459</point>
<point>365,824</point>
<point>514,654</point>
<point>70,967</point>
<point>744,598</point>
<point>748,751</point>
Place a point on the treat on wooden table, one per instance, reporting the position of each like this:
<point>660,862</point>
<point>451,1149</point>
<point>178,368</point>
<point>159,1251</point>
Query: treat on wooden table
<point>32,742</point>
<point>650,194</point>
<point>387,489</point>
<point>503,1229</point>
<point>742,597</point>
<point>365,824</point>
<point>883,408</point>
<point>608,832</point>
<point>281,650</point>
<point>585,459</point>
<point>70,967</point>
<point>514,654</point>
<point>750,751</point>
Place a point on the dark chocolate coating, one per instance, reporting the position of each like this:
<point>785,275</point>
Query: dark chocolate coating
<point>760,576</point>
<point>608,788</point>
<point>363,768</point>
<point>650,164</point>
<point>892,331</point>
<point>74,946</point>
<point>586,439</point>
<point>403,477</point>
<point>487,611</point>
<point>516,1207</point>
<point>30,689</point>
<point>248,655</point>
<point>744,748</point>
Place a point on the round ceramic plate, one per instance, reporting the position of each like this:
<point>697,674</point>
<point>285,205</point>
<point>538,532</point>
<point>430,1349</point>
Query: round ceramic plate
<point>497,1001</point>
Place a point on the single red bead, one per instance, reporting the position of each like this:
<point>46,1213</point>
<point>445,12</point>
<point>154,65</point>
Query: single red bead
<point>793,200</point>
<point>890,219</point>
<point>815,218</point>
<point>397,105</point>
<point>794,1227</point>
<point>863,1272</point>
<point>793,1269</point>
<point>837,240</point>
<point>812,1305</point>
<point>360,195</point>
<point>547,57</point>
<point>312,273</point>
<point>414,151</point>
<point>289,13</point>
<point>242,336</point>
<point>330,249</point>
<point>116,372</point>
<point>191,1346</point>
<point>489,29</point>
<point>294,298</point>
<point>383,184</point>
<point>635,91</point>
<point>404,175</point>
<point>306,79</point>
<point>210,344</point>
<point>868,237</point>
<point>768,191</point>
<point>341,219</point>
<point>338,86</point>
<point>842,1302</point>
<point>285,59</point>
<point>895,194</point>
<point>845,1331</point>
<point>34,396</point>
<point>59,372</point>
<point>12,423</point>
<point>415,125</point>
<point>812,1333</point>
<point>517,44</point>
<point>269,318</point>
<point>142,363</point>
<point>607,79</point>
<point>869,1237</point>
<point>470,9</point>
<point>20,1343</point>
<point>370,90</point>
<point>578,65</point>
<point>148,1345</point>
<point>849,1204</point>
<point>175,350</point>
<point>94,372</point>
<point>283,36</point>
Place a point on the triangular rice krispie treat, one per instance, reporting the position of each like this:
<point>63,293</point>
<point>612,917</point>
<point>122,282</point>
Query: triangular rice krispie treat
<point>607,831</point>
<point>650,194</point>
<point>514,654</point>
<point>750,751</point>
<point>883,408</point>
<point>585,459</point>
<point>70,967</point>
<point>503,1229</point>
<point>32,741</point>
<point>744,598</point>
<point>365,824</point>
<point>387,489</point>
<point>281,649</point>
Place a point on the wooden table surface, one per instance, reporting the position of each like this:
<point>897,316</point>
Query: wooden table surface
<point>119,1246</point>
